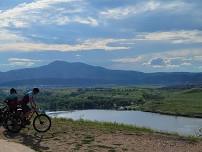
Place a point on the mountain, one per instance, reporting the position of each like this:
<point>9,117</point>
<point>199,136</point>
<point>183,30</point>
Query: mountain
<point>77,74</point>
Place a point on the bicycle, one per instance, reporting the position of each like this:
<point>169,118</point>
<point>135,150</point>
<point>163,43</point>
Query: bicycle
<point>3,115</point>
<point>7,116</point>
<point>16,121</point>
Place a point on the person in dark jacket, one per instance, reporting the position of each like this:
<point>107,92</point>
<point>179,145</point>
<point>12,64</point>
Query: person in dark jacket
<point>12,100</point>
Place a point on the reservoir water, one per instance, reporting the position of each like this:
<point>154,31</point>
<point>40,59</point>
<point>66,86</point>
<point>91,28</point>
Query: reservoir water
<point>158,122</point>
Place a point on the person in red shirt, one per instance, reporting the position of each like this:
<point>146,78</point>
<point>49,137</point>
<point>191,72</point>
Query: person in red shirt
<point>29,99</point>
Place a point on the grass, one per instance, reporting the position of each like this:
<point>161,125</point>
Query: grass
<point>177,102</point>
<point>109,127</point>
<point>87,139</point>
<point>106,127</point>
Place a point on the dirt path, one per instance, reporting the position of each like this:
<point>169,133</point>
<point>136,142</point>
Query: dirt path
<point>13,147</point>
<point>72,137</point>
<point>99,142</point>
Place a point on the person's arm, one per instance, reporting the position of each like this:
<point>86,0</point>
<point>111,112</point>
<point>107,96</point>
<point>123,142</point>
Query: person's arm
<point>32,102</point>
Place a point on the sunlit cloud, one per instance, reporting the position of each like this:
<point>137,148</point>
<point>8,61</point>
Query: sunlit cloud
<point>12,41</point>
<point>21,62</point>
<point>45,12</point>
<point>96,44</point>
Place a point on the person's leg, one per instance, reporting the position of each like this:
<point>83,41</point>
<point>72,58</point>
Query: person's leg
<point>10,108</point>
<point>27,111</point>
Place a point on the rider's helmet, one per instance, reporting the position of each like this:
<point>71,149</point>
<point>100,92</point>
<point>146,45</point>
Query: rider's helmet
<point>36,90</point>
<point>13,91</point>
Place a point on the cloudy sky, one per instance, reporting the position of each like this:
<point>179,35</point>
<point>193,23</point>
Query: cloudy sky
<point>142,35</point>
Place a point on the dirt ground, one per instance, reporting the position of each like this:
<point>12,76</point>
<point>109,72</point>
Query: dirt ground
<point>6,146</point>
<point>70,138</point>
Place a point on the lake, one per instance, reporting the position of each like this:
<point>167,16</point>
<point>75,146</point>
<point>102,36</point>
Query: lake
<point>158,122</point>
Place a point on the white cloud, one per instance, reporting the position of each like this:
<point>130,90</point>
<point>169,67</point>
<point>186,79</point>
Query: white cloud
<point>14,41</point>
<point>6,36</point>
<point>62,20</point>
<point>93,44</point>
<point>52,12</point>
<point>21,62</point>
<point>164,63</point>
<point>186,64</point>
<point>121,12</point>
<point>169,59</point>
<point>88,20</point>
<point>149,6</point>
<point>137,59</point>
<point>193,36</point>
<point>44,12</point>
<point>185,53</point>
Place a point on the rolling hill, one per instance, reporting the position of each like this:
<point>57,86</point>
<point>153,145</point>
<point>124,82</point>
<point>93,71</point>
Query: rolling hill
<point>60,73</point>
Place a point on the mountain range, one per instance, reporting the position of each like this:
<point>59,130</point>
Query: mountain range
<point>60,73</point>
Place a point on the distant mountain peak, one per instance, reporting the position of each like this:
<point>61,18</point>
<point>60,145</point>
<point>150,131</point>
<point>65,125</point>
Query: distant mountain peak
<point>58,62</point>
<point>76,65</point>
<point>81,74</point>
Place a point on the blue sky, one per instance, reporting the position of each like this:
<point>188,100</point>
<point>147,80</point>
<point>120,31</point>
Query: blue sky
<point>141,35</point>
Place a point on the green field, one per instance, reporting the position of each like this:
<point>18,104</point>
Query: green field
<point>187,102</point>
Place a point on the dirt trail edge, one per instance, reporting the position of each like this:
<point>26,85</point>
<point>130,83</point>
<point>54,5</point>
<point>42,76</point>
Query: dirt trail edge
<point>6,146</point>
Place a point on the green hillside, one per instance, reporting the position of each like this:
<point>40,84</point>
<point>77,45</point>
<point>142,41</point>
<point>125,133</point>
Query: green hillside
<point>186,102</point>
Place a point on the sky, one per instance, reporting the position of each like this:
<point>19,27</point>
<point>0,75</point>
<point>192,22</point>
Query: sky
<point>139,35</point>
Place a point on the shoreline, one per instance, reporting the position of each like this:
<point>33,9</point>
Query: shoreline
<point>150,111</point>
<point>157,117</point>
<point>173,114</point>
